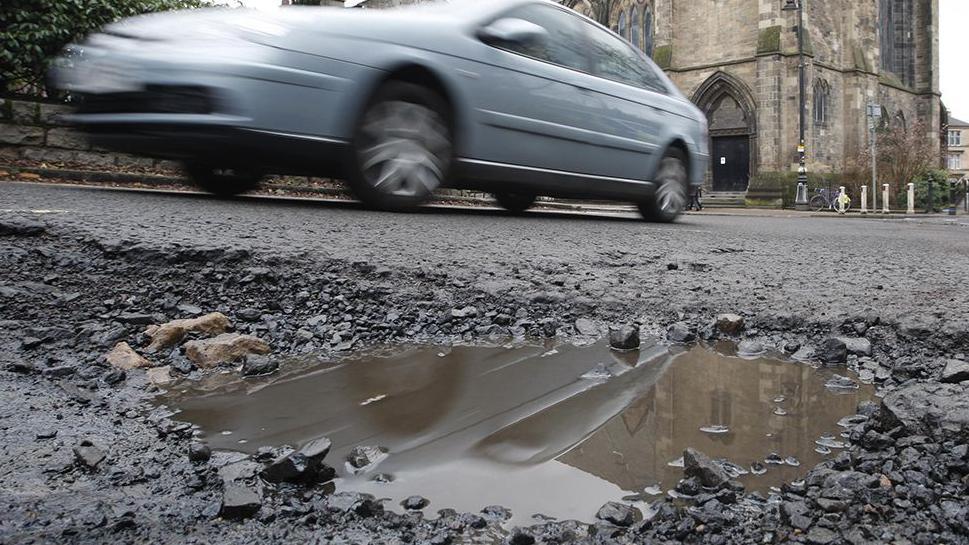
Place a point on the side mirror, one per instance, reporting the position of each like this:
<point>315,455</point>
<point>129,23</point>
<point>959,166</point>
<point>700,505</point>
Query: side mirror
<point>511,30</point>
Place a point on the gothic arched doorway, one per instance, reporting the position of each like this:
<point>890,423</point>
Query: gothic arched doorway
<point>729,108</point>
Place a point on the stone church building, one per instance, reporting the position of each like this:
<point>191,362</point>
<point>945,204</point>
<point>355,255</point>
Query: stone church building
<point>738,61</point>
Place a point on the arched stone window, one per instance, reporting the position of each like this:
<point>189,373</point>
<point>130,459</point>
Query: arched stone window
<point>898,122</point>
<point>822,99</point>
<point>896,38</point>
<point>648,41</point>
<point>621,29</point>
<point>634,28</point>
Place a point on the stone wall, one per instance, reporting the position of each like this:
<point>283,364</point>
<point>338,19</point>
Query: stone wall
<point>35,133</point>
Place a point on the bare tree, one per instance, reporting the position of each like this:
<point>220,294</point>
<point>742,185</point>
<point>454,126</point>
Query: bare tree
<point>904,154</point>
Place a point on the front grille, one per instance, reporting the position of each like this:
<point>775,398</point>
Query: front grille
<point>155,99</point>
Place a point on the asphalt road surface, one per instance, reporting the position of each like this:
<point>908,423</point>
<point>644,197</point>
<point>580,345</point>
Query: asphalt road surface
<point>728,263</point>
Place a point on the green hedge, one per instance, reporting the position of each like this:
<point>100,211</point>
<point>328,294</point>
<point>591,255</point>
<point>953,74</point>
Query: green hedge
<point>33,32</point>
<point>940,192</point>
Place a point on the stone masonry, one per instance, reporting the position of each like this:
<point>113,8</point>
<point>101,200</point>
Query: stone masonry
<point>35,133</point>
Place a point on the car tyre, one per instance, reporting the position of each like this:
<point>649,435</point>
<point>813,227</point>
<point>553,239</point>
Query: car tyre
<point>224,182</point>
<point>672,189</point>
<point>402,148</point>
<point>516,203</point>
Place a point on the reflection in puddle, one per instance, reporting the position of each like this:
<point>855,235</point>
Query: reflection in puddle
<point>557,432</point>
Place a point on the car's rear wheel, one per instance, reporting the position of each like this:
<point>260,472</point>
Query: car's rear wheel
<point>402,148</point>
<point>516,203</point>
<point>222,181</point>
<point>672,184</point>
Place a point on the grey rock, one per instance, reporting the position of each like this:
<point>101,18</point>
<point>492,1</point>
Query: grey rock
<point>859,346</point>
<point>199,452</point>
<point>414,503</point>
<point>363,505</point>
<point>292,467</point>
<point>680,332</point>
<point>88,454</point>
<point>465,312</point>
<point>586,327</point>
<point>705,470</point>
<point>730,324</point>
<point>940,411</point>
<point>365,457</point>
<point>191,310</point>
<point>846,485</point>
<point>139,318</point>
<point>59,371</point>
<point>839,382</point>
<point>240,501</point>
<point>749,347</point>
<point>259,364</point>
<point>820,535</point>
<point>248,315</point>
<point>317,449</point>
<point>624,337</point>
<point>804,353</point>
<point>955,371</point>
<point>797,514</point>
<point>619,514</point>
<point>242,470</point>
<point>30,342</point>
<point>689,486</point>
<point>497,512</point>
<point>833,351</point>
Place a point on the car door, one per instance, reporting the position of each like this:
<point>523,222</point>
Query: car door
<point>528,106</point>
<point>631,105</point>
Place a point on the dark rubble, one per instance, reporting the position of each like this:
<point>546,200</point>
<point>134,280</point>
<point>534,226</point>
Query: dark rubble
<point>88,459</point>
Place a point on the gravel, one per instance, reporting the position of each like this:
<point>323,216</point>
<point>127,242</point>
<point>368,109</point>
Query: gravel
<point>89,459</point>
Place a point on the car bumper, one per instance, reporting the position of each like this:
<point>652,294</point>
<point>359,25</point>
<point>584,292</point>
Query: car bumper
<point>242,100</point>
<point>217,139</point>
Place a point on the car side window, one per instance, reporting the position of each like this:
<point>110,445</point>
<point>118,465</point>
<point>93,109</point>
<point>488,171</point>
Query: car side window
<point>565,45</point>
<point>614,59</point>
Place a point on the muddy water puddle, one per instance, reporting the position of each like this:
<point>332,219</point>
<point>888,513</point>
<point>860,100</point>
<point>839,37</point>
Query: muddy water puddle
<point>556,431</point>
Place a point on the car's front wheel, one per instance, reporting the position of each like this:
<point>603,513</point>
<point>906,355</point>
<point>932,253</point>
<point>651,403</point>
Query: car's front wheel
<point>670,197</point>
<point>516,203</point>
<point>221,181</point>
<point>402,148</point>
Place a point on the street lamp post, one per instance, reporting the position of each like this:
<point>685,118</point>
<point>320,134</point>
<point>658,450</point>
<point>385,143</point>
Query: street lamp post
<point>801,200</point>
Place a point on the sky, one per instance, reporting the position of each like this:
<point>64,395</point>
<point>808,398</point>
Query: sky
<point>953,53</point>
<point>954,56</point>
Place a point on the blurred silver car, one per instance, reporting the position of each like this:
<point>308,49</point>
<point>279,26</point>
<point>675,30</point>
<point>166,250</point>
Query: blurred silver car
<point>516,97</point>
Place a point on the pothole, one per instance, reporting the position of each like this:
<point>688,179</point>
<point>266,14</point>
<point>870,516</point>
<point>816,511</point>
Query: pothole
<point>551,430</point>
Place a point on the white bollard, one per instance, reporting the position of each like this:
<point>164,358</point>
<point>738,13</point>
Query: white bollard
<point>842,200</point>
<point>885,208</point>
<point>911,199</point>
<point>864,199</point>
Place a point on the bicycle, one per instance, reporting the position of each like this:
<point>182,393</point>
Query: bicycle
<point>827,199</point>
